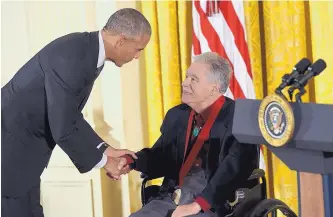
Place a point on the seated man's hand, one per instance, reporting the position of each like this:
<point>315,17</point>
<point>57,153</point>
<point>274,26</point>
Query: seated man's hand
<point>117,164</point>
<point>123,168</point>
<point>186,210</point>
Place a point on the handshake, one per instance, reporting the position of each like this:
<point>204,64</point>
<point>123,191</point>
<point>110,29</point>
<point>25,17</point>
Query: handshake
<point>117,164</point>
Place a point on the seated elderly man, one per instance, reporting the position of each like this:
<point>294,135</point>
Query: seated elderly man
<point>201,161</point>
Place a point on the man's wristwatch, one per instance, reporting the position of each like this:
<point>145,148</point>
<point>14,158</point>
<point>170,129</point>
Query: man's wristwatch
<point>103,147</point>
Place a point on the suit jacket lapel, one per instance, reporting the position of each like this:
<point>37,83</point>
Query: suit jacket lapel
<point>94,45</point>
<point>181,134</point>
<point>220,125</point>
<point>217,131</point>
<point>94,51</point>
<point>216,136</point>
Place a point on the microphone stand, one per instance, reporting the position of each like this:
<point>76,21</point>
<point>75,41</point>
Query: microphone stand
<point>278,91</point>
<point>300,94</point>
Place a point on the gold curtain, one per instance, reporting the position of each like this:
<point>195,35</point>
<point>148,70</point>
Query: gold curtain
<point>280,33</point>
<point>321,21</point>
<point>167,57</point>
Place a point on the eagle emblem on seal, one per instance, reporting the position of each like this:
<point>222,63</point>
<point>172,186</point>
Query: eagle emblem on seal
<point>275,123</point>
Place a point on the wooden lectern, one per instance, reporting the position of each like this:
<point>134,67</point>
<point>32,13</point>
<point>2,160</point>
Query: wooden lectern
<point>310,148</point>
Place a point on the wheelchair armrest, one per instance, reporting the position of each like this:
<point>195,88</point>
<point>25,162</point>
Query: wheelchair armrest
<point>257,174</point>
<point>147,192</point>
<point>145,178</point>
<point>260,174</point>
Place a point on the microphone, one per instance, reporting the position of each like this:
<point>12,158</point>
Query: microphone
<point>298,69</point>
<point>313,71</point>
<point>302,80</point>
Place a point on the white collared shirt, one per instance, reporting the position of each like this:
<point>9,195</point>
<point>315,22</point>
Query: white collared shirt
<point>101,52</point>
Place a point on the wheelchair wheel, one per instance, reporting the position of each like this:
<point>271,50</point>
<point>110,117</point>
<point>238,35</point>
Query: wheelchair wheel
<point>270,206</point>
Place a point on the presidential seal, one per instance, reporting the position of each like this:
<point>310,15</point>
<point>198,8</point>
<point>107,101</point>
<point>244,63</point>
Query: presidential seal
<point>276,120</point>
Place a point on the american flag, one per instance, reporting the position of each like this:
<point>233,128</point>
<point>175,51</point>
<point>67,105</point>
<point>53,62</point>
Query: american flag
<point>219,26</point>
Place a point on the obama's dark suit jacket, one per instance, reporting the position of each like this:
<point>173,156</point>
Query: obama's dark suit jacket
<point>41,107</point>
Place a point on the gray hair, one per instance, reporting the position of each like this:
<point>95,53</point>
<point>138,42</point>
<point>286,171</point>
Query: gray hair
<point>220,69</point>
<point>129,22</point>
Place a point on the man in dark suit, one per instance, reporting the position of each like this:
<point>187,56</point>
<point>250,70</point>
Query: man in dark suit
<point>41,107</point>
<point>201,161</point>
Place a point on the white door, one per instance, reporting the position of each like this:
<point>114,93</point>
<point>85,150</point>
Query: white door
<point>67,193</point>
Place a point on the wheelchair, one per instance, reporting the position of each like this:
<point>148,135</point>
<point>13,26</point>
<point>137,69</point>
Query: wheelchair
<point>249,202</point>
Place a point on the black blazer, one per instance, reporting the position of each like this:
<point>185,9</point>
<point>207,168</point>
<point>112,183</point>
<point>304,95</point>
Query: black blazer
<point>41,106</point>
<point>230,163</point>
